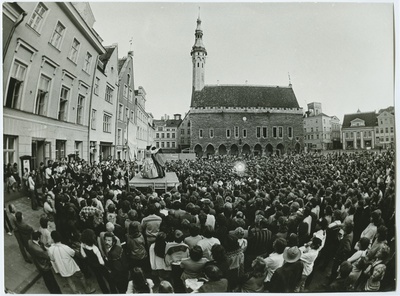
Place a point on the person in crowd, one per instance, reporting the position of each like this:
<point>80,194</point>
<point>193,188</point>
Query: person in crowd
<point>151,224</point>
<point>149,169</point>
<point>42,262</point>
<point>309,253</point>
<point>194,237</point>
<point>207,242</point>
<point>253,282</point>
<point>193,266</point>
<point>138,283</point>
<point>22,232</point>
<point>341,284</point>
<point>32,190</point>
<point>358,260</point>
<point>165,288</point>
<point>274,260</point>
<point>287,277</point>
<point>115,261</point>
<point>136,246</point>
<point>95,261</point>
<point>45,232</point>
<point>62,258</point>
<point>215,283</point>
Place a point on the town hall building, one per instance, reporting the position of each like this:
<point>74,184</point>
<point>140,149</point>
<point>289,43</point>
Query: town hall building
<point>241,119</point>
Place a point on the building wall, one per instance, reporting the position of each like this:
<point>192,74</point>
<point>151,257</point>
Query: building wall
<point>385,131</point>
<point>219,122</point>
<point>142,123</point>
<point>126,97</point>
<point>359,137</point>
<point>183,133</point>
<point>102,141</point>
<point>31,48</point>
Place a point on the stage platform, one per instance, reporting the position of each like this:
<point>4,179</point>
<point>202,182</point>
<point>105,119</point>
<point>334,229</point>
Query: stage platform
<point>169,181</point>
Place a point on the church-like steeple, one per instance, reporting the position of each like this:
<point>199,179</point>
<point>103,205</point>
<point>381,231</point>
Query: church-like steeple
<point>198,54</point>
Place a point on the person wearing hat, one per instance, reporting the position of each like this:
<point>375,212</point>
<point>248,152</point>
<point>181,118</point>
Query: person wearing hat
<point>287,277</point>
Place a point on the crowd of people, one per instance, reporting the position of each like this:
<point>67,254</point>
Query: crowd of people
<point>235,224</point>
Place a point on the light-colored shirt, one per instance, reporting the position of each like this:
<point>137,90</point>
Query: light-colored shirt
<point>206,245</point>
<point>308,257</point>
<point>62,258</point>
<point>272,263</point>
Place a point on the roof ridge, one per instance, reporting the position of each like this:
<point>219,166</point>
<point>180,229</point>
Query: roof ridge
<point>252,85</point>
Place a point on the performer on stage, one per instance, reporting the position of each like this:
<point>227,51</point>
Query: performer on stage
<point>149,170</point>
<point>159,161</point>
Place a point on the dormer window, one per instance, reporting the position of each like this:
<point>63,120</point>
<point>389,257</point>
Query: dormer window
<point>357,122</point>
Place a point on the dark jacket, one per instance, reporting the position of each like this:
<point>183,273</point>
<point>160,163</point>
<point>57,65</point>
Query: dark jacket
<point>286,277</point>
<point>39,256</point>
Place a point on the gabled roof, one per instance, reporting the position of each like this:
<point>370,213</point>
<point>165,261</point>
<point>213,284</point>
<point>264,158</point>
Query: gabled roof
<point>105,57</point>
<point>121,63</point>
<point>368,117</point>
<point>167,123</point>
<point>244,96</point>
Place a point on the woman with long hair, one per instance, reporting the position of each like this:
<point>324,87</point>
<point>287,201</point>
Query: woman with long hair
<point>157,257</point>
<point>138,283</point>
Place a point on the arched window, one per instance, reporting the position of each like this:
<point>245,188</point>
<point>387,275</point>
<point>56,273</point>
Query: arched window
<point>129,80</point>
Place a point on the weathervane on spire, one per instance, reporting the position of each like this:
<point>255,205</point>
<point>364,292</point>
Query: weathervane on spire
<point>199,13</point>
<point>130,44</point>
<point>290,82</point>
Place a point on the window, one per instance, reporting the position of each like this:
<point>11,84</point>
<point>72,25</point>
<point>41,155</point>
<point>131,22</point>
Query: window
<point>317,136</point>
<point>386,130</point>
<point>236,130</point>
<point>387,139</point>
<point>132,117</point>
<point>167,135</point>
<point>125,91</point>
<point>264,132</point>
<point>211,133</point>
<point>119,137</point>
<point>280,132</point>
<point>36,20</point>
<point>167,144</point>
<point>79,109</point>
<point>60,149</point>
<point>42,95</point>
<point>162,144</point>
<point>312,130</point>
<point>173,135</point>
<point>391,129</point>
<point>228,133</point>
<point>274,132</point>
<point>88,61</point>
<point>9,155</point>
<point>62,111</point>
<point>73,54</point>
<point>120,111</point>
<point>258,132</point>
<point>182,131</point>
<point>157,135</point>
<point>15,85</point>
<point>78,148</point>
<point>173,144</point>
<point>188,131</point>
<point>94,114</point>
<point>128,79</point>
<point>381,130</point>
<point>377,130</point>
<point>244,132</point>
<point>162,135</point>
<point>130,95</point>
<point>96,85</point>
<point>109,94</point>
<point>160,128</point>
<point>369,134</point>
<point>200,133</point>
<point>290,132</point>
<point>58,33</point>
<point>157,144</point>
<point>126,114</point>
<point>107,123</point>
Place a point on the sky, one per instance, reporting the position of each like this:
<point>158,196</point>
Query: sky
<point>339,54</point>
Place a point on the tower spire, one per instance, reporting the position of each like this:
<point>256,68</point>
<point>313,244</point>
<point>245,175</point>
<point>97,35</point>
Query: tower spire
<point>198,54</point>
<point>290,82</point>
